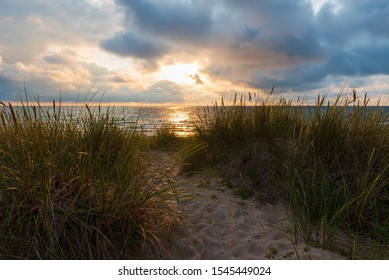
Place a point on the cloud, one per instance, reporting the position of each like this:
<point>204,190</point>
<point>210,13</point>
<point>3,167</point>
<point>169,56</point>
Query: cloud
<point>303,50</point>
<point>197,79</point>
<point>275,18</point>
<point>128,44</point>
<point>173,19</point>
<point>351,45</point>
<point>39,42</point>
<point>61,57</point>
<point>71,77</point>
<point>158,92</point>
<point>122,45</point>
<point>47,81</point>
<point>353,18</point>
<point>161,92</point>
<point>120,79</point>
<point>28,29</point>
<point>7,89</point>
<point>152,29</point>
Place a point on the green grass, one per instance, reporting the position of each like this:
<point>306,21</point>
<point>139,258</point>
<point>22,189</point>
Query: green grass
<point>73,186</point>
<point>330,162</point>
<point>165,138</point>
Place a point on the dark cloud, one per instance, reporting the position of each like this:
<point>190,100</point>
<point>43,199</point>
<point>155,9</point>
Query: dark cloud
<point>275,15</point>
<point>306,46</point>
<point>174,19</point>
<point>8,89</point>
<point>56,59</point>
<point>197,79</point>
<point>350,40</point>
<point>128,44</point>
<point>151,27</point>
<point>250,34</point>
<point>353,19</point>
<point>358,62</point>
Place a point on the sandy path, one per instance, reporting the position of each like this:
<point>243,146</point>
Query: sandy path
<point>218,225</point>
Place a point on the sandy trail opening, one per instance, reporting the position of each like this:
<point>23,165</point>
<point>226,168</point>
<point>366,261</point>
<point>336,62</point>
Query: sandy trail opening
<point>216,224</point>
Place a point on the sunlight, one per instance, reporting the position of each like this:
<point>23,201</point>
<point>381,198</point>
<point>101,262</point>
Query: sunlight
<point>180,73</point>
<point>179,118</point>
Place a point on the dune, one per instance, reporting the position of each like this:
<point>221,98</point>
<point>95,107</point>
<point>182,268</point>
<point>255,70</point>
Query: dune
<point>215,224</point>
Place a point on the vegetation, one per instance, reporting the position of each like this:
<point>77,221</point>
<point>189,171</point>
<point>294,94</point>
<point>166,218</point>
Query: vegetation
<point>165,138</point>
<point>73,186</point>
<point>76,185</point>
<point>329,162</point>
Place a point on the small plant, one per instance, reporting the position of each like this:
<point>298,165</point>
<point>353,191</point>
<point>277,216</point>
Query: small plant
<point>271,254</point>
<point>244,192</point>
<point>288,255</point>
<point>227,183</point>
<point>166,138</point>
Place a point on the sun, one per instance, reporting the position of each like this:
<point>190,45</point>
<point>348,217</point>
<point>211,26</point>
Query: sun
<point>180,73</point>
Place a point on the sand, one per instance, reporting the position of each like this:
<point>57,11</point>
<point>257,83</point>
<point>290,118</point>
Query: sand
<point>215,224</point>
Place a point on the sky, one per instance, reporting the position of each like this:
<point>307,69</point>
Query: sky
<point>192,52</point>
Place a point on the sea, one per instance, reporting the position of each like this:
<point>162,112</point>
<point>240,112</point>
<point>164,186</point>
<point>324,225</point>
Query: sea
<point>181,119</point>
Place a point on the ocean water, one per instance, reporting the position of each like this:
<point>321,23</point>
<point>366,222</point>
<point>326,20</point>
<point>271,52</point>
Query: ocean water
<point>180,119</point>
<point>149,119</point>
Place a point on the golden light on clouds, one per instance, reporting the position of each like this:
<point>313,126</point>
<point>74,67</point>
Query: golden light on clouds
<point>180,73</point>
<point>192,52</point>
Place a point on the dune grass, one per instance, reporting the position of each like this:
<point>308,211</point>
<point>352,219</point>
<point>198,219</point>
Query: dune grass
<point>165,138</point>
<point>73,186</point>
<point>329,162</point>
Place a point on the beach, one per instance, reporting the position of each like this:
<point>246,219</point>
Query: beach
<point>212,223</point>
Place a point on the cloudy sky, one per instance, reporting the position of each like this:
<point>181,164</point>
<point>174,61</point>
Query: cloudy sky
<point>183,51</point>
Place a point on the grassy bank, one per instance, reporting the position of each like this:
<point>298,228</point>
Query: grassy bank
<point>330,163</point>
<point>73,186</point>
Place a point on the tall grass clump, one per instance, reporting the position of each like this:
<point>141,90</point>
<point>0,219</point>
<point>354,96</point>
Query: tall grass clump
<point>329,162</point>
<point>338,173</point>
<point>166,138</point>
<point>71,186</point>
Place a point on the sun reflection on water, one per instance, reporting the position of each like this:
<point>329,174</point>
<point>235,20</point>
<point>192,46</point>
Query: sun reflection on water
<point>179,118</point>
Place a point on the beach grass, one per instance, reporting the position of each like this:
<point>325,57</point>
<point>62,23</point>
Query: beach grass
<point>76,185</point>
<point>73,186</point>
<point>165,138</point>
<point>329,162</point>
